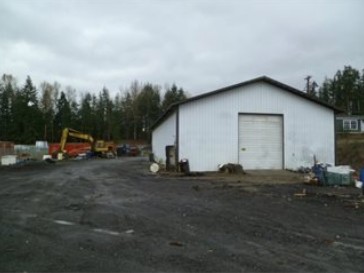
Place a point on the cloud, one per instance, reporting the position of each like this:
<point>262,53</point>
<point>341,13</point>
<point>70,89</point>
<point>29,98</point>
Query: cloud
<point>200,45</point>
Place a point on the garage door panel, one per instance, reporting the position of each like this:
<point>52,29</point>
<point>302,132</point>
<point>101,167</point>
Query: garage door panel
<point>261,141</point>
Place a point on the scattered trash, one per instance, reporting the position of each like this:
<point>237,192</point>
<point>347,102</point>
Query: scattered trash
<point>310,179</point>
<point>231,168</point>
<point>175,243</point>
<point>301,194</point>
<point>129,231</point>
<point>304,169</point>
<point>352,204</point>
<point>50,160</point>
<point>324,174</point>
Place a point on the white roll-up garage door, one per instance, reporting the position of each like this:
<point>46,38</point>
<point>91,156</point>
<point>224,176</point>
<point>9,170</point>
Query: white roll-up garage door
<point>261,141</point>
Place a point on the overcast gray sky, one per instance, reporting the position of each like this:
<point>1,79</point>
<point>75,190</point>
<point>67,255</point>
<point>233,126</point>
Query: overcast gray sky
<point>199,45</point>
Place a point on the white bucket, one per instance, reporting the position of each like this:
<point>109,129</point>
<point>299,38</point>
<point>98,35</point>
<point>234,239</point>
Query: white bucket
<point>47,157</point>
<point>358,184</point>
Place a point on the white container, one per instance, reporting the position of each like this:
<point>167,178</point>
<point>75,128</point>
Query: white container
<point>47,157</point>
<point>7,160</point>
<point>41,144</point>
<point>358,184</point>
<point>342,169</point>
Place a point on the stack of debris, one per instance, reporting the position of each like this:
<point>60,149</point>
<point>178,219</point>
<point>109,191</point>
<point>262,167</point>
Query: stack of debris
<point>327,175</point>
<point>6,148</point>
<point>7,153</point>
<point>231,168</point>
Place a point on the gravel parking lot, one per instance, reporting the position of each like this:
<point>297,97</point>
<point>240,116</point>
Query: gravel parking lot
<point>113,215</point>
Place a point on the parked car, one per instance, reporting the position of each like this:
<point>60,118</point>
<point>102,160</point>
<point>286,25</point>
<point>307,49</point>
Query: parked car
<point>133,151</point>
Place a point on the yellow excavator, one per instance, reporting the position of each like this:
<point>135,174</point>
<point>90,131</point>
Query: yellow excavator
<point>98,147</point>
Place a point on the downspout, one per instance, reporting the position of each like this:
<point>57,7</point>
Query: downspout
<point>335,139</point>
<point>177,138</point>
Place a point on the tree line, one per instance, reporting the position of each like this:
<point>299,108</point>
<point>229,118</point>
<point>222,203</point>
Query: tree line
<point>28,114</point>
<point>345,90</point>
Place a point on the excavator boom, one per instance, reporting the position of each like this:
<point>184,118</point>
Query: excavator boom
<point>73,133</point>
<point>99,146</point>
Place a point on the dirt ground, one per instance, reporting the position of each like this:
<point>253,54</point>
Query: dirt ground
<point>350,150</point>
<point>113,215</point>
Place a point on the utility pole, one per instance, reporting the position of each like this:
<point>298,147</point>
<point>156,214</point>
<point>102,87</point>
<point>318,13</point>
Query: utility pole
<point>310,86</point>
<point>307,79</point>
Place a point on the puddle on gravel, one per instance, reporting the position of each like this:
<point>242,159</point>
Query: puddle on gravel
<point>98,230</point>
<point>62,222</point>
<point>105,231</point>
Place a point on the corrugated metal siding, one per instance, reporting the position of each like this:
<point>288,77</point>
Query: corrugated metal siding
<point>163,135</point>
<point>261,141</point>
<point>209,127</point>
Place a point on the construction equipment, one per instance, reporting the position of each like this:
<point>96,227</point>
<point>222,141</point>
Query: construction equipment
<point>98,147</point>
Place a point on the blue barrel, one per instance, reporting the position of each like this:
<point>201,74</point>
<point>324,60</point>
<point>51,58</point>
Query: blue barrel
<point>361,175</point>
<point>319,172</point>
<point>361,178</point>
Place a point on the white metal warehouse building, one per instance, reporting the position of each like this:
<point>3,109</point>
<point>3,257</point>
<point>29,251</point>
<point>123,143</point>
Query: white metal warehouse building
<point>260,124</point>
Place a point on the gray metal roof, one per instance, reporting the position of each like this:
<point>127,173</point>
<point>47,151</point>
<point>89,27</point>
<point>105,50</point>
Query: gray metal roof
<point>264,79</point>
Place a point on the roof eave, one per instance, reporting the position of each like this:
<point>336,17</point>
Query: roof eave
<point>255,80</point>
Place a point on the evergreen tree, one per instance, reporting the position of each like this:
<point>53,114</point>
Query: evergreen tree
<point>27,116</point>
<point>106,107</point>
<point>149,109</point>
<point>7,90</point>
<point>63,116</point>
<point>86,114</point>
<point>117,117</point>
<point>173,95</point>
<point>345,90</point>
<point>325,91</point>
<point>127,116</point>
<point>47,107</point>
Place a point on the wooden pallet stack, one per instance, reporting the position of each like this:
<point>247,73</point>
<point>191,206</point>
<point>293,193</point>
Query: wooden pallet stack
<point>6,148</point>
